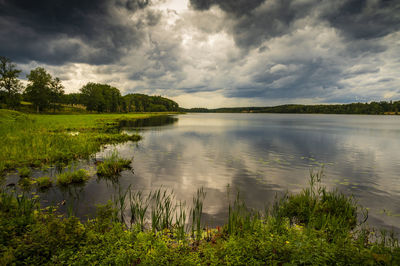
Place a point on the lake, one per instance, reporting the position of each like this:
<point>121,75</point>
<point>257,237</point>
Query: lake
<point>260,155</point>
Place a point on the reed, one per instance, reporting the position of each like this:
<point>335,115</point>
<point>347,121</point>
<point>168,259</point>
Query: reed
<point>180,221</point>
<point>120,203</point>
<point>196,213</point>
<point>241,219</point>
<point>139,205</point>
<point>162,210</point>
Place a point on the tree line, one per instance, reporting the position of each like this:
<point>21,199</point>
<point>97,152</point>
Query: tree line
<point>382,107</point>
<point>47,93</point>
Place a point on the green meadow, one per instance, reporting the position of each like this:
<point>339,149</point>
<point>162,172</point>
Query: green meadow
<point>38,140</point>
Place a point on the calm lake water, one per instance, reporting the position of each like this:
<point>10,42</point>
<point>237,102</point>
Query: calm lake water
<point>260,155</point>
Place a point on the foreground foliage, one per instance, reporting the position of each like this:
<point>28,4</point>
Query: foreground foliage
<point>315,227</point>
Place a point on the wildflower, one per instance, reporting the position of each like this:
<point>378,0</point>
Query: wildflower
<point>287,242</point>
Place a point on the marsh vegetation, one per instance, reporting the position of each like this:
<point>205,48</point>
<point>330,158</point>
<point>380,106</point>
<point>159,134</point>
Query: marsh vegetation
<point>328,229</point>
<point>38,140</point>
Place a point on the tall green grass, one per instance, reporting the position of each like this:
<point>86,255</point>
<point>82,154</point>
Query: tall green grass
<point>196,213</point>
<point>318,208</point>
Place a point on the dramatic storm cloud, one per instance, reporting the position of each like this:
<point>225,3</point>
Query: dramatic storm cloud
<point>213,52</point>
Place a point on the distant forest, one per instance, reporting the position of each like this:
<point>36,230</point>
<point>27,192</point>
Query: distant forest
<point>392,107</point>
<point>46,94</point>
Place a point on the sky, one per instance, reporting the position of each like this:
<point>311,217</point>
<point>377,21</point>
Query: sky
<point>213,53</point>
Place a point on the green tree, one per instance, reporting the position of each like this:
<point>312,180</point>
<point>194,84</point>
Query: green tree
<point>101,97</point>
<point>56,92</point>
<point>9,82</point>
<point>42,89</point>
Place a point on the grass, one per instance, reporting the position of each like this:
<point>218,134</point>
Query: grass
<point>112,165</point>
<point>44,182</point>
<point>32,140</point>
<point>75,177</point>
<point>24,172</point>
<point>34,236</point>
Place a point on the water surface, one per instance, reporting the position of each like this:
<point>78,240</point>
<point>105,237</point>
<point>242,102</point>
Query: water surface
<point>261,155</point>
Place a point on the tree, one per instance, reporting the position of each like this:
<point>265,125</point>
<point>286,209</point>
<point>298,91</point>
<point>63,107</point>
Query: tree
<point>56,91</point>
<point>9,82</point>
<point>101,97</point>
<point>42,89</point>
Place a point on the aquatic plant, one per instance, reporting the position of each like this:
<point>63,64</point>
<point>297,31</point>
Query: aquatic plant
<point>180,221</point>
<point>26,183</point>
<point>162,209</point>
<point>196,213</point>
<point>139,204</point>
<point>75,177</point>
<point>241,219</point>
<point>24,172</point>
<point>112,165</point>
<point>44,182</point>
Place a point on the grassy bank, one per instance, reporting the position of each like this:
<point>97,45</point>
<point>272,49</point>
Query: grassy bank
<point>36,140</point>
<point>314,227</point>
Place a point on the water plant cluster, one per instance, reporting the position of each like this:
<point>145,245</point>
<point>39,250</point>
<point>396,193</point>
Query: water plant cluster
<point>112,165</point>
<point>315,226</point>
<point>75,177</point>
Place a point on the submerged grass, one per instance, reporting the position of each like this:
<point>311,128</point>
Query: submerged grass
<point>35,140</point>
<point>34,236</point>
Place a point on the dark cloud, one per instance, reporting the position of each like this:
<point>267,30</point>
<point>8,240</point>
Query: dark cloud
<point>362,19</point>
<point>57,31</point>
<point>259,20</point>
<point>237,7</point>
<point>306,79</point>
